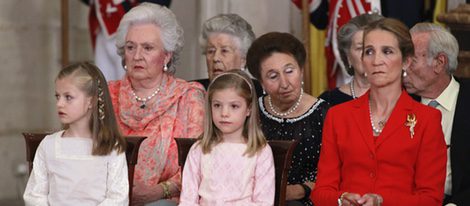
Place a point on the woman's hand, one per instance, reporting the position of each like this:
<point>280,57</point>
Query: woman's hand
<point>297,192</point>
<point>294,192</point>
<point>350,199</point>
<point>370,199</point>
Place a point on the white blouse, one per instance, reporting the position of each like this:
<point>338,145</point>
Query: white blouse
<point>65,173</point>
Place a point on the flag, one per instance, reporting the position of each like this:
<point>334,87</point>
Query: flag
<point>319,20</point>
<point>318,12</point>
<point>331,14</point>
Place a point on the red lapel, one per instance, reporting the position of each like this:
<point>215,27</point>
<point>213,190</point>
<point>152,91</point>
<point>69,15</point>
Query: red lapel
<point>361,115</point>
<point>398,117</point>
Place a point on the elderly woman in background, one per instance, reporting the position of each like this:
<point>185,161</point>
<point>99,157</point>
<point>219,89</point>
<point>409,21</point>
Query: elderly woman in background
<point>350,49</point>
<point>383,148</point>
<point>150,101</point>
<point>286,112</point>
<point>225,40</point>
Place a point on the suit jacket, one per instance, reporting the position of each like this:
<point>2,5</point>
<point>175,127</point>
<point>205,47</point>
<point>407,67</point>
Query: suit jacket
<point>460,146</point>
<point>404,169</point>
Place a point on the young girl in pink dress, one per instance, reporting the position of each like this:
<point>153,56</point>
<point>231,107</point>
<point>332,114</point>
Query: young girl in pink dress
<point>84,164</point>
<point>231,164</point>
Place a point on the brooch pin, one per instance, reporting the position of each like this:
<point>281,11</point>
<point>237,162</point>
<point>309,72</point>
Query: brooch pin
<point>411,122</point>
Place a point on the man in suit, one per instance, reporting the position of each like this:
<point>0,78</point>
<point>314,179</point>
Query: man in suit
<point>431,77</point>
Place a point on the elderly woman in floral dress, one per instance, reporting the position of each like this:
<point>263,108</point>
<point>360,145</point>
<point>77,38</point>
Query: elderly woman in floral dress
<point>150,101</point>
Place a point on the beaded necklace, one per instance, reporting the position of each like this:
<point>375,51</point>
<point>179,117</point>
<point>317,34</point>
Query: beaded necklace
<point>292,109</point>
<point>351,87</point>
<point>381,123</point>
<point>144,100</point>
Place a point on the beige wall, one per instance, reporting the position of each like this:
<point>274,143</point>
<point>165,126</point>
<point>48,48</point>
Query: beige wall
<point>30,59</point>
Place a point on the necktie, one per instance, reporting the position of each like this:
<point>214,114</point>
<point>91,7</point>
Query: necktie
<point>433,103</point>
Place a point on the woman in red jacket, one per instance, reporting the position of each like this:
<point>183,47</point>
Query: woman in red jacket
<point>382,148</point>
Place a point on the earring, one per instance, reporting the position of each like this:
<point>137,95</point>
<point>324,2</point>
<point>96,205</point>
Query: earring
<point>365,74</point>
<point>404,73</point>
<point>125,67</point>
<point>165,68</point>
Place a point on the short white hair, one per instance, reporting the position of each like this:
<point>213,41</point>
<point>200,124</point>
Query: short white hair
<point>440,41</point>
<point>164,18</point>
<point>231,24</point>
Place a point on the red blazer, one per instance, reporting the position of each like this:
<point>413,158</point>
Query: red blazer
<point>404,169</point>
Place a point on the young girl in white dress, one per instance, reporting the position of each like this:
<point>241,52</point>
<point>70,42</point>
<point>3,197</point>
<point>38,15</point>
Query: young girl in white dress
<point>84,164</point>
<point>231,164</point>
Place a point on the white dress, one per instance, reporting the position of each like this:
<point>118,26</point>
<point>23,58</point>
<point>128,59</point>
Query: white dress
<point>65,173</point>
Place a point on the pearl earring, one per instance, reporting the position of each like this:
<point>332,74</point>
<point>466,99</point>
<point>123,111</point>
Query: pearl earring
<point>404,73</point>
<point>125,67</point>
<point>165,68</point>
<point>365,74</point>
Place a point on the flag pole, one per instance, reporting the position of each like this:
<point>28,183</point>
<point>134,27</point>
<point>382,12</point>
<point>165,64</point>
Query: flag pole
<point>64,31</point>
<point>306,40</point>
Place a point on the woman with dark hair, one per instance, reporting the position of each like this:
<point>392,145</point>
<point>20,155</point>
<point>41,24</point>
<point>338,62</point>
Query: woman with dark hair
<point>383,148</point>
<point>286,112</point>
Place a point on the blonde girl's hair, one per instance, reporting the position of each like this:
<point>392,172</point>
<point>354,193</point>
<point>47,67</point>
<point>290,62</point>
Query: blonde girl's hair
<point>241,82</point>
<point>89,79</point>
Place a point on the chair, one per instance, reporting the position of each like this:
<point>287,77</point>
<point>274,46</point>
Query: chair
<point>133,144</point>
<point>132,153</point>
<point>183,144</point>
<point>282,154</point>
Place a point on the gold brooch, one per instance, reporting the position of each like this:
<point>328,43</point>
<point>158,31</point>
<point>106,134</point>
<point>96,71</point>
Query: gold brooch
<point>411,122</point>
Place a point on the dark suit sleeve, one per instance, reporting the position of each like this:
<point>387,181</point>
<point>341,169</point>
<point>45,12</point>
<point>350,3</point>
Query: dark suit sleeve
<point>460,144</point>
<point>461,198</point>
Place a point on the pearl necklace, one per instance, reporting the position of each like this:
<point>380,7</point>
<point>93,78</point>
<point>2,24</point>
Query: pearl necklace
<point>381,124</point>
<point>351,87</point>
<point>144,100</point>
<point>292,109</point>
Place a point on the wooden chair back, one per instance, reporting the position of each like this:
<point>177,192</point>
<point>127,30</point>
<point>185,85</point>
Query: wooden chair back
<point>132,153</point>
<point>183,144</point>
<point>282,154</point>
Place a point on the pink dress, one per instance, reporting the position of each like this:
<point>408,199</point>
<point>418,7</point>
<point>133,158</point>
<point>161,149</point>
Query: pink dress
<point>176,111</point>
<point>227,177</point>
